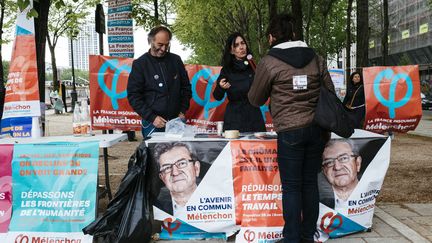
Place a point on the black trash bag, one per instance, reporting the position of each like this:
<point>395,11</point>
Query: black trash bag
<point>127,218</point>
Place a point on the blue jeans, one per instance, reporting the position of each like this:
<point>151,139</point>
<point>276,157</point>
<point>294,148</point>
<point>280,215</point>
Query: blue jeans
<point>147,128</point>
<point>299,159</point>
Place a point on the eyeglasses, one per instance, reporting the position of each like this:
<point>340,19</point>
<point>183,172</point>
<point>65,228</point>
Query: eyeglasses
<point>181,164</point>
<point>343,158</point>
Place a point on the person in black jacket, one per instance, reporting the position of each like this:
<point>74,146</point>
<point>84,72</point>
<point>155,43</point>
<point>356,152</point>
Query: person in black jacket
<point>235,80</point>
<point>158,86</point>
<point>354,100</point>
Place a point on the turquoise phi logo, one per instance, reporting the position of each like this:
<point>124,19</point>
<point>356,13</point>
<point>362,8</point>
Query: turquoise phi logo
<point>392,103</point>
<point>113,64</point>
<point>205,102</point>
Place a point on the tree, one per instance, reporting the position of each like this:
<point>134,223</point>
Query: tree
<point>348,40</point>
<point>296,10</point>
<point>272,5</point>
<point>65,20</point>
<point>8,11</point>
<point>362,33</point>
<point>384,38</point>
<point>150,13</point>
<point>206,31</point>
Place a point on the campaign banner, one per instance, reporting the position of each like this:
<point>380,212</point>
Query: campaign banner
<point>17,126</point>
<point>6,151</point>
<point>352,175</point>
<point>109,106</point>
<point>111,109</point>
<point>205,110</point>
<point>54,190</point>
<point>338,78</point>
<point>195,200</point>
<point>120,28</point>
<point>22,92</point>
<point>393,101</point>
<point>240,191</point>
<point>258,198</point>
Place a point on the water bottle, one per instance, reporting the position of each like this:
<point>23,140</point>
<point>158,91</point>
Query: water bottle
<point>85,119</point>
<point>76,120</point>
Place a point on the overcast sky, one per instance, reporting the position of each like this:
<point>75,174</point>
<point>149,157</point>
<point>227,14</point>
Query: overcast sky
<point>140,41</point>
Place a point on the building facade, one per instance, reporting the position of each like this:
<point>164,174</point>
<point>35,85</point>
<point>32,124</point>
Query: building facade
<point>410,33</point>
<point>84,45</point>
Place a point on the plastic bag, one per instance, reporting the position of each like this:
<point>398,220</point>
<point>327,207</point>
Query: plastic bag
<point>175,128</point>
<point>127,218</point>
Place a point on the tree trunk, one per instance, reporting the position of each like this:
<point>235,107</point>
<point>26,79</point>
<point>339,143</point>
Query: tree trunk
<point>384,40</point>
<point>309,19</point>
<point>272,5</point>
<point>296,10</point>
<point>41,30</point>
<point>54,66</point>
<point>156,10</point>
<point>362,33</point>
<point>348,41</point>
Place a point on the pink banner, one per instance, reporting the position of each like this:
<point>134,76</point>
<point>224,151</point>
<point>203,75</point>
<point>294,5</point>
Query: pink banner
<point>5,186</point>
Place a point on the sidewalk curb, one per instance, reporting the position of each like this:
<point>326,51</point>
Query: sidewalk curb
<point>406,231</point>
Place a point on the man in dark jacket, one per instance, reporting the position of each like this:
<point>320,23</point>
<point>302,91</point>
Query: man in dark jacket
<point>158,87</point>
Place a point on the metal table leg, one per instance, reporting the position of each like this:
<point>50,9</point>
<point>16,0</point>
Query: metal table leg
<point>107,182</point>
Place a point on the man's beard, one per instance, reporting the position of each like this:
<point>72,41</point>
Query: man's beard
<point>157,51</point>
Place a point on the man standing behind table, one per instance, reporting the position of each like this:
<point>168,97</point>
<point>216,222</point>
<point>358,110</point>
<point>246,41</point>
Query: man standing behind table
<point>158,87</point>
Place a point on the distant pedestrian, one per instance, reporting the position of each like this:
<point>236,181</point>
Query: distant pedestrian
<point>354,100</point>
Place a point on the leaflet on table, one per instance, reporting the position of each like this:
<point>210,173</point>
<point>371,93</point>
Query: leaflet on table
<point>54,190</point>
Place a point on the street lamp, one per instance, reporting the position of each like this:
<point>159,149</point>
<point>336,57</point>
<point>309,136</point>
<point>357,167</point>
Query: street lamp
<point>74,94</point>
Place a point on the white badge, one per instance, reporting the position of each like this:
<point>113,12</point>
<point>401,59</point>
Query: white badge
<point>160,84</point>
<point>300,82</point>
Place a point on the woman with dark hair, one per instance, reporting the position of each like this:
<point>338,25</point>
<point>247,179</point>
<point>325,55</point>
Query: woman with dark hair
<point>354,99</point>
<point>235,80</point>
<point>291,75</point>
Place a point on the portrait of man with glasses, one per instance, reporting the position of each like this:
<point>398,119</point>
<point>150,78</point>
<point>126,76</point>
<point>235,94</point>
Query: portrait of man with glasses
<point>178,168</point>
<point>341,164</point>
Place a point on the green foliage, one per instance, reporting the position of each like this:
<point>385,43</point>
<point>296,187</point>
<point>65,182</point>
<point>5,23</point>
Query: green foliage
<point>329,39</point>
<point>404,60</point>
<point>9,20</point>
<point>5,70</point>
<point>143,12</point>
<point>66,74</point>
<point>206,30</point>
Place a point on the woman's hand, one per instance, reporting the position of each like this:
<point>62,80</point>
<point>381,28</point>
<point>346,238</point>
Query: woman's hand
<point>224,84</point>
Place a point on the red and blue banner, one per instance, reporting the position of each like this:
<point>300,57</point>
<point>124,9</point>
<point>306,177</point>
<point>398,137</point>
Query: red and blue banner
<point>393,101</point>
<point>111,109</point>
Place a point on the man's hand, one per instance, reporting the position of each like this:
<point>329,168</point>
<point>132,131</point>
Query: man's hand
<point>182,116</point>
<point>159,122</point>
<point>224,84</point>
